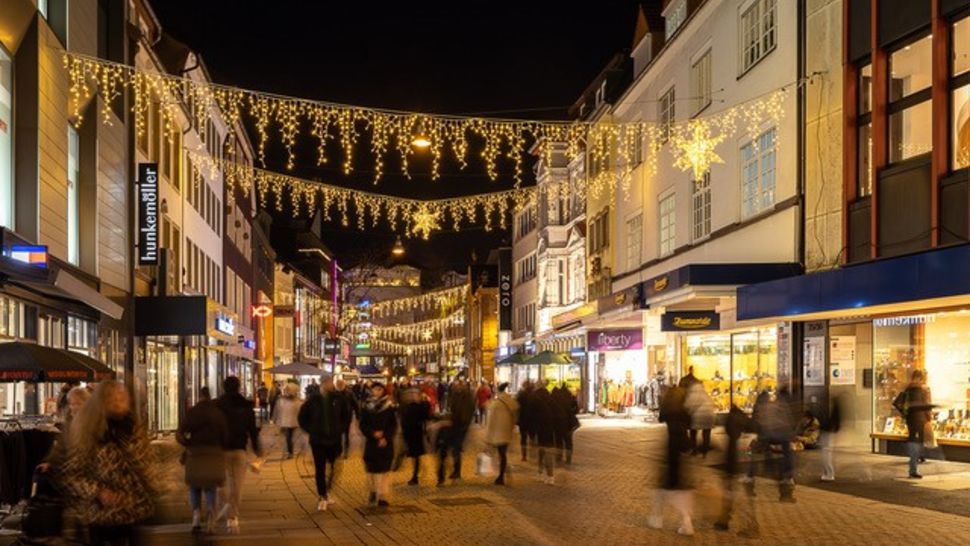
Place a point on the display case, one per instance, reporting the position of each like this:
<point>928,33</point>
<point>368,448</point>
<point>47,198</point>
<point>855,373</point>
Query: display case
<point>734,367</point>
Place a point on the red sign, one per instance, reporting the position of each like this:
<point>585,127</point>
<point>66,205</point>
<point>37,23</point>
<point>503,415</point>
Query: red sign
<point>262,311</point>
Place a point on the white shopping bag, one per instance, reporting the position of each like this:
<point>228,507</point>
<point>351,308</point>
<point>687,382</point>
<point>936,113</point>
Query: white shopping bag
<point>483,465</point>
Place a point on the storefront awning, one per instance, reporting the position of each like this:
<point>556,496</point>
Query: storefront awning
<point>56,282</point>
<point>663,289</point>
<point>935,278</point>
<point>21,361</point>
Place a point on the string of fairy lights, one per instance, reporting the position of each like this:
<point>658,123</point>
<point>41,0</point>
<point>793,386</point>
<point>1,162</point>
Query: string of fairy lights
<point>613,149</point>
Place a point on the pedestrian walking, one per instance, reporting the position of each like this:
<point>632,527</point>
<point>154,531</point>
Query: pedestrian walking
<point>262,397</point>
<point>311,388</point>
<point>348,408</point>
<point>415,411</point>
<point>700,407</point>
<point>775,426</point>
<point>321,416</point>
<point>525,418</point>
<point>737,424</point>
<point>287,412</point>
<point>830,429</point>
<point>567,422</point>
<point>274,396</point>
<point>482,396</point>
<point>242,431</point>
<point>378,424</point>
<point>440,434</point>
<point>545,417</point>
<point>461,406</point>
<point>674,489</point>
<point>503,412</point>
<point>915,403</point>
<point>108,472</point>
<point>203,433</point>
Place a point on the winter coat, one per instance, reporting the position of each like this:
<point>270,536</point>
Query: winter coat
<point>483,395</point>
<point>203,433</point>
<point>122,462</point>
<point>544,417</point>
<point>503,412</point>
<point>525,412</point>
<point>674,414</point>
<point>462,408</point>
<point>348,407</point>
<point>414,417</point>
<point>288,411</point>
<point>377,416</point>
<point>241,421</point>
<point>322,418</point>
<point>567,408</point>
<point>916,407</point>
<point>700,407</point>
<point>775,423</point>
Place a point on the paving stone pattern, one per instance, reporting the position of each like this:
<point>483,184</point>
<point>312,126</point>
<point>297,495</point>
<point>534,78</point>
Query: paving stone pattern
<point>603,499</point>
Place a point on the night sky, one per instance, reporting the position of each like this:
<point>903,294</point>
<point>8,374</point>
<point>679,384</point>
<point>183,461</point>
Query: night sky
<point>526,59</point>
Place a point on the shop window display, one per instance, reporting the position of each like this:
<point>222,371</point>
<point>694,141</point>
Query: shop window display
<point>734,368</point>
<point>939,344</point>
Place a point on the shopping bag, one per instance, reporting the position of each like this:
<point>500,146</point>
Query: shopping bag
<point>929,436</point>
<point>483,464</point>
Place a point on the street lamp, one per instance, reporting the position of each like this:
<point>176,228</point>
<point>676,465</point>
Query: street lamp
<point>398,249</point>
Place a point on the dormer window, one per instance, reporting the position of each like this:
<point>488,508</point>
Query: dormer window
<point>601,94</point>
<point>674,17</point>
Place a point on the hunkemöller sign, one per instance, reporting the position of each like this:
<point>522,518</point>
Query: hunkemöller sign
<point>614,340</point>
<point>148,214</point>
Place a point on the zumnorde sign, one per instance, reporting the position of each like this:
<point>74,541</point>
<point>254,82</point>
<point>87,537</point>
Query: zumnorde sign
<point>614,340</point>
<point>148,214</point>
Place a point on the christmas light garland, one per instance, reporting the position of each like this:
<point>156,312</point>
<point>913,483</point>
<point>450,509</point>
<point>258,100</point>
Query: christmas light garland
<point>416,217</point>
<point>424,302</point>
<point>608,144</point>
<point>415,331</point>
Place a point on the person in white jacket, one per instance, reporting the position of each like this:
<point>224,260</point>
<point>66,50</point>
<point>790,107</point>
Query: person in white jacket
<point>700,407</point>
<point>287,414</point>
<point>503,413</point>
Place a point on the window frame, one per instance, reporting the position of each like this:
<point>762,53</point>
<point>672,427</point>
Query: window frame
<point>954,83</point>
<point>705,208</point>
<point>634,253</point>
<point>8,193</point>
<point>666,245</point>
<point>73,196</point>
<point>666,112</point>
<point>763,52</point>
<point>701,80</point>
<point>907,102</point>
<point>760,155</point>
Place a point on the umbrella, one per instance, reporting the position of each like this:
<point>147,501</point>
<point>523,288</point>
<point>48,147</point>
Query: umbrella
<point>20,361</point>
<point>101,372</point>
<point>297,368</point>
<point>548,357</point>
<point>514,358</point>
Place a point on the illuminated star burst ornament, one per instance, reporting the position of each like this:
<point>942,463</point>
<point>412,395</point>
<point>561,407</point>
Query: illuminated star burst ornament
<point>424,221</point>
<point>695,149</point>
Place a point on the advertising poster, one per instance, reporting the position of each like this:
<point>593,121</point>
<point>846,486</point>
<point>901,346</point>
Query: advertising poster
<point>842,357</point>
<point>814,369</point>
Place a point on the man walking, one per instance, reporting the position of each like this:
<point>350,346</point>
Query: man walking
<point>348,408</point>
<point>242,431</point>
<point>462,407</point>
<point>322,418</point>
<point>502,414</point>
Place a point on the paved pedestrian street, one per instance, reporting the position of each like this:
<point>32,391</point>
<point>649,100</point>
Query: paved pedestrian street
<point>604,498</point>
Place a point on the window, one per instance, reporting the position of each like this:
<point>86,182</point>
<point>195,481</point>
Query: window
<point>757,32</point>
<point>865,89</point>
<point>634,240</point>
<point>73,175</point>
<point>667,224</point>
<point>599,237</point>
<point>960,96</point>
<point>701,207</point>
<point>526,268</point>
<point>676,14</point>
<point>910,107</point>
<point>865,160</point>
<point>601,94</point>
<point>6,139</point>
<point>154,129</point>
<point>700,82</point>
<point>42,8</point>
<point>758,174</point>
<point>637,147</point>
<point>665,114</point>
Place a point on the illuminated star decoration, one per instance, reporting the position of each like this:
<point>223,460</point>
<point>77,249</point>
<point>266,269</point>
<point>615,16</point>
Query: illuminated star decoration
<point>424,221</point>
<point>695,149</point>
<point>427,334</point>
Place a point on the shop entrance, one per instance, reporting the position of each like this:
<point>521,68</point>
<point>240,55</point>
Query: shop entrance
<point>855,398</point>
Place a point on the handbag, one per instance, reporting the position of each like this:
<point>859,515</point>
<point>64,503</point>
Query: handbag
<point>483,465</point>
<point>929,436</point>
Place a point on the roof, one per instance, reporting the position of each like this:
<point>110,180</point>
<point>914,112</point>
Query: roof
<point>172,53</point>
<point>649,20</point>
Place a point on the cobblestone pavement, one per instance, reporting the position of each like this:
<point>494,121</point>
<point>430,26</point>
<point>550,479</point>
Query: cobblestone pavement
<point>603,499</point>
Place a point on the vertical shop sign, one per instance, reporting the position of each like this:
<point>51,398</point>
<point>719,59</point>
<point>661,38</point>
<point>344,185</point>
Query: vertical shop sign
<point>147,214</point>
<point>505,289</point>
<point>784,355</point>
<point>842,356</point>
<point>813,369</point>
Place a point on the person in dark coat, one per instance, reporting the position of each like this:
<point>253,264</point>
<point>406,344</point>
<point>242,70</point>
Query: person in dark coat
<point>321,416</point>
<point>545,417</point>
<point>830,428</point>
<point>415,411</point>
<point>440,433</point>
<point>378,424</point>
<point>203,433</point>
<point>525,418</point>
<point>262,397</point>
<point>737,424</point>
<point>348,408</point>
<point>673,489</point>
<point>567,421</point>
<point>461,404</point>
<point>242,431</point>
<point>915,403</point>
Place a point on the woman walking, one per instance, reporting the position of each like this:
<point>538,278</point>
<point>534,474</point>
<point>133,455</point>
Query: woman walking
<point>378,424</point>
<point>700,407</point>
<point>108,468</point>
<point>322,417</point>
<point>415,412</point>
<point>503,412</point>
<point>203,433</point>
<point>673,412</point>
<point>287,414</point>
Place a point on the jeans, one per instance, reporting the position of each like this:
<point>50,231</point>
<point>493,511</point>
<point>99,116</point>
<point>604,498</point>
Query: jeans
<point>195,498</point>
<point>503,458</point>
<point>705,440</point>
<point>323,454</point>
<point>288,433</point>
<point>457,444</point>
<point>235,479</point>
<point>524,443</point>
<point>788,456</point>
<point>547,460</point>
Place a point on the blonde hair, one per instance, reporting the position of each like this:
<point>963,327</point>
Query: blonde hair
<point>79,393</point>
<point>91,423</point>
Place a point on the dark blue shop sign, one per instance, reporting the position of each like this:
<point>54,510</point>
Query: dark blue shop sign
<point>690,321</point>
<point>148,214</point>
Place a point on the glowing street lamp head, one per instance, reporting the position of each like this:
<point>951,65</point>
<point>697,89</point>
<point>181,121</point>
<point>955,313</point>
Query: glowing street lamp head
<point>421,142</point>
<point>398,249</point>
